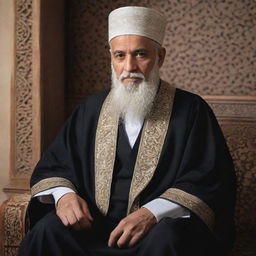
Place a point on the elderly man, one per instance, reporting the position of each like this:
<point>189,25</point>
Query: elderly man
<point>142,169</point>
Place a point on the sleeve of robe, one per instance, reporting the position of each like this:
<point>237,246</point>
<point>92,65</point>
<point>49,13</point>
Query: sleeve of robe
<point>205,178</point>
<point>69,160</point>
<point>57,165</point>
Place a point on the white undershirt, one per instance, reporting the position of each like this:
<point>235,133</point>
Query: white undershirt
<point>132,128</point>
<point>159,207</point>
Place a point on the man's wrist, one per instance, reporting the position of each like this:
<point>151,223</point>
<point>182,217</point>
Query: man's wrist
<point>59,192</point>
<point>161,208</point>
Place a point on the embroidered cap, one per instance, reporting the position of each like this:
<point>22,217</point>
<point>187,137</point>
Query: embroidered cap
<point>134,20</point>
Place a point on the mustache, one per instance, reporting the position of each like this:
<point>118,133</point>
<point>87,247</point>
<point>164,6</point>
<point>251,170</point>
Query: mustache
<point>131,75</point>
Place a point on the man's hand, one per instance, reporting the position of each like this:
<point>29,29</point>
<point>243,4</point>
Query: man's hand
<point>73,211</point>
<point>132,228</point>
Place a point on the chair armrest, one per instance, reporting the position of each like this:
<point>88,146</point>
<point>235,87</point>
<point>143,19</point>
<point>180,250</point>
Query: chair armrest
<point>13,223</point>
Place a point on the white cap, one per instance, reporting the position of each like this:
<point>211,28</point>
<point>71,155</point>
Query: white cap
<point>134,20</point>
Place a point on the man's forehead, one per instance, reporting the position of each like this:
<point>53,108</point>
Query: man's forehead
<point>131,41</point>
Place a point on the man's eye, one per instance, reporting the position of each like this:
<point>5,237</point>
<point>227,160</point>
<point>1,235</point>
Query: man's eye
<point>119,55</point>
<point>141,54</point>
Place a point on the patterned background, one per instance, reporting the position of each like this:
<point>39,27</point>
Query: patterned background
<point>211,46</point>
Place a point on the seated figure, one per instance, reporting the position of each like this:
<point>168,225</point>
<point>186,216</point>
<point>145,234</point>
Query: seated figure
<point>139,169</point>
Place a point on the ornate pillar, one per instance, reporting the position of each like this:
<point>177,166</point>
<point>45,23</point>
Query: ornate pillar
<point>37,84</point>
<point>21,97</point>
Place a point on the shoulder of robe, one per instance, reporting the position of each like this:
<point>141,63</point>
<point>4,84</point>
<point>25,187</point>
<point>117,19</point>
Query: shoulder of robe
<point>190,100</point>
<point>87,109</point>
<point>90,105</point>
<point>187,96</point>
<point>96,99</point>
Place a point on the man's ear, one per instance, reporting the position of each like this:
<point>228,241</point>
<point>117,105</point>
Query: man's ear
<point>161,55</point>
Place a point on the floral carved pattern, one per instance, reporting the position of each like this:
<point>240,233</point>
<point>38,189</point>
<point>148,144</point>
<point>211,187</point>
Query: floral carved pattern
<point>23,89</point>
<point>15,225</point>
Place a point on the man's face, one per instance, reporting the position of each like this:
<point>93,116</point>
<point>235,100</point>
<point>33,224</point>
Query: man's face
<point>136,54</point>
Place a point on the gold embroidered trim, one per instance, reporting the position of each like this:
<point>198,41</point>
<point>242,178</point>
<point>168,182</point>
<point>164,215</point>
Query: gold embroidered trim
<point>152,140</point>
<point>51,183</point>
<point>105,152</point>
<point>193,203</point>
<point>153,135</point>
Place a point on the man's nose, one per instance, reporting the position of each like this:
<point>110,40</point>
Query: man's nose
<point>130,64</point>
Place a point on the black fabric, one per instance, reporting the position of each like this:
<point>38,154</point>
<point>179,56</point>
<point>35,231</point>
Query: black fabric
<point>194,158</point>
<point>123,171</point>
<point>50,237</point>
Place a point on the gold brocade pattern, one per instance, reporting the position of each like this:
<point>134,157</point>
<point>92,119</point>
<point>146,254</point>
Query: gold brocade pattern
<point>193,203</point>
<point>105,151</point>
<point>51,183</point>
<point>152,139</point>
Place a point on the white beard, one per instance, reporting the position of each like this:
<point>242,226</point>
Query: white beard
<point>134,100</point>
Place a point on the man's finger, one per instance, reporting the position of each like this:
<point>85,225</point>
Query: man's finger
<point>63,219</point>
<point>73,221</point>
<point>81,209</point>
<point>86,211</point>
<point>124,239</point>
<point>82,214</point>
<point>71,217</point>
<point>114,236</point>
<point>73,211</point>
<point>133,241</point>
<point>85,222</point>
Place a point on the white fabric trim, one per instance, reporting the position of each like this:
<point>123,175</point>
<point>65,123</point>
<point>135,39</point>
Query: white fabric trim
<point>164,208</point>
<point>159,207</point>
<point>52,195</point>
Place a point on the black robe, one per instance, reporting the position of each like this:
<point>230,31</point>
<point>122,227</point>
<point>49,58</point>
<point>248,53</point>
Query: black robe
<point>194,159</point>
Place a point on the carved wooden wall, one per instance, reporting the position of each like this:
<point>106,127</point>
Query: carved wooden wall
<point>22,116</point>
<point>37,84</point>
